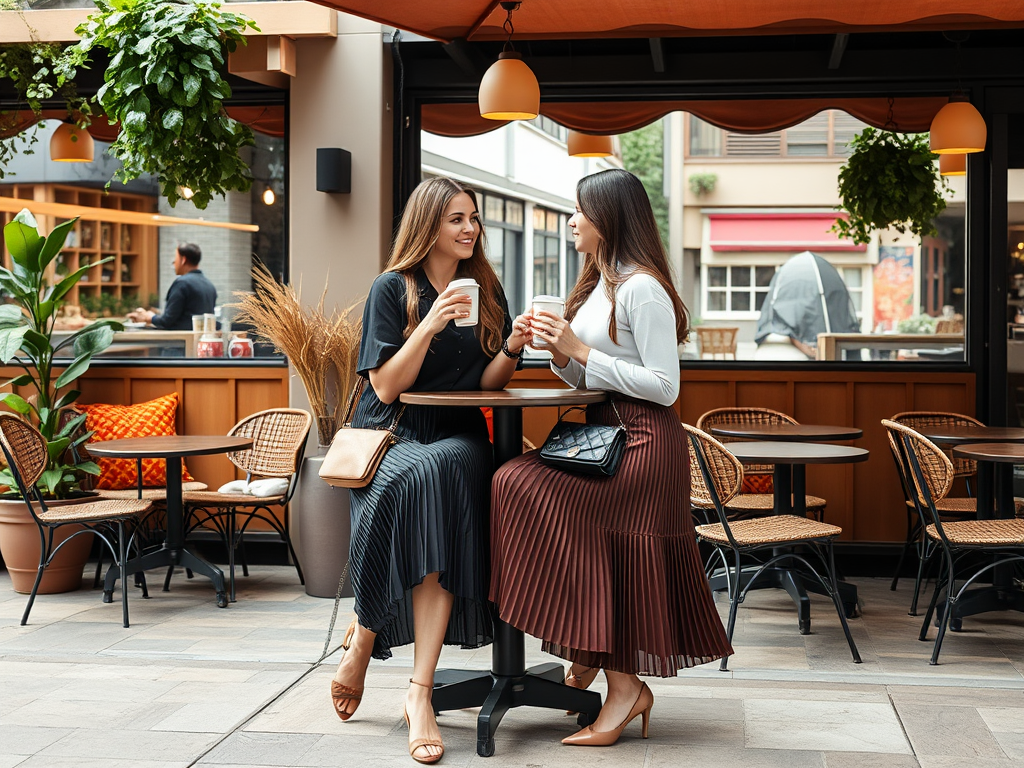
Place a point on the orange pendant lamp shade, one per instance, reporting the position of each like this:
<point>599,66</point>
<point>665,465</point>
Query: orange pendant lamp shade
<point>588,145</point>
<point>958,128</point>
<point>71,144</point>
<point>953,165</point>
<point>509,90</point>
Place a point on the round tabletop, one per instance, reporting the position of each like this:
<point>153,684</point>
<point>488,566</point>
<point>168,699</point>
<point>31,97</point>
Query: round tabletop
<point>1003,453</point>
<point>164,446</point>
<point>497,398</point>
<point>772,452</point>
<point>788,432</point>
<point>961,435</point>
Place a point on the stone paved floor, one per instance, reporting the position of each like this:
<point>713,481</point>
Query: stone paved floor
<point>190,684</point>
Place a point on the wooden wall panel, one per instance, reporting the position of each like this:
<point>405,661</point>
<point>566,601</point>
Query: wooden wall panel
<point>113,391</point>
<point>937,397</point>
<point>820,402</point>
<point>764,394</point>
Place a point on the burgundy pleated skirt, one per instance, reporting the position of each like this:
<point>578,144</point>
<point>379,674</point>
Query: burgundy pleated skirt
<point>606,570</point>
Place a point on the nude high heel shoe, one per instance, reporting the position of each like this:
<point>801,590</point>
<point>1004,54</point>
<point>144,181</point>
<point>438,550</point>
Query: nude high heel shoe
<point>342,694</point>
<point>581,681</point>
<point>418,743</point>
<point>588,737</point>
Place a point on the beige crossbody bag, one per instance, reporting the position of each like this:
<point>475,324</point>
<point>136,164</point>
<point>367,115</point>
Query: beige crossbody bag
<point>355,454</point>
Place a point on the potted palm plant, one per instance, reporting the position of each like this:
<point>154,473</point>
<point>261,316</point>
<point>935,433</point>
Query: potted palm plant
<point>322,348</point>
<point>43,394</point>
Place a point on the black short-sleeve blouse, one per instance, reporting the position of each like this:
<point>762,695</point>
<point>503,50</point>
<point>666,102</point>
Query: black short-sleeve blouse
<point>455,360</point>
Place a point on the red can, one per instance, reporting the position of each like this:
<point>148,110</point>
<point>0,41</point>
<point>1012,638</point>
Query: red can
<point>210,346</point>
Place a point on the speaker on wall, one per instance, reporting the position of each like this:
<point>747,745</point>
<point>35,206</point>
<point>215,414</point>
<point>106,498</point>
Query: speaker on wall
<point>333,170</point>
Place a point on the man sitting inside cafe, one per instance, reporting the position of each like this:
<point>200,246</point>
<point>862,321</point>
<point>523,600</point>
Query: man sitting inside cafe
<point>191,293</point>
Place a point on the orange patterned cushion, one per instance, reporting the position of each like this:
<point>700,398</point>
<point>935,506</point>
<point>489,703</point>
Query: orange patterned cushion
<point>114,422</point>
<point>757,484</point>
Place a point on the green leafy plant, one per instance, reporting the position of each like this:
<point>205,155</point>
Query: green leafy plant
<point>702,183</point>
<point>916,324</point>
<point>890,180</point>
<point>37,72</point>
<point>165,85</point>
<point>26,339</point>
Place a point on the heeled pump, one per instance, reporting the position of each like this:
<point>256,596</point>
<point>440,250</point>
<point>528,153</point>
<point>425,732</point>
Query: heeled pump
<point>342,694</point>
<point>588,737</point>
<point>419,743</point>
<point>581,681</point>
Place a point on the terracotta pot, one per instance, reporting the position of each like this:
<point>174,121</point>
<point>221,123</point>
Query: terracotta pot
<point>19,545</point>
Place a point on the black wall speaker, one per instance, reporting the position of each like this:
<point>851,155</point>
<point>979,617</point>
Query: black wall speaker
<point>333,170</point>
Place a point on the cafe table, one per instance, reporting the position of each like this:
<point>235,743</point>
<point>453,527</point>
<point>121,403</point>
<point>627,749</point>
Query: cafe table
<point>995,464</point>
<point>170,448</point>
<point>790,460</point>
<point>508,684</point>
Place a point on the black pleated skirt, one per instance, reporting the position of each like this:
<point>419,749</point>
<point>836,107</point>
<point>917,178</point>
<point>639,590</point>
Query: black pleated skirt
<point>426,511</point>
<point>605,570</point>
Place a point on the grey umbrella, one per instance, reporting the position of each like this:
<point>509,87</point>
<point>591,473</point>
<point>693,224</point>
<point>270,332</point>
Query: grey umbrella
<point>807,296</point>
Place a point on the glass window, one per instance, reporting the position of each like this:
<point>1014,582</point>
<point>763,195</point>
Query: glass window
<point>810,138</point>
<point>854,279</point>
<point>503,219</point>
<point>705,139</point>
<point>546,246</point>
<point>494,208</point>
<point>737,289</point>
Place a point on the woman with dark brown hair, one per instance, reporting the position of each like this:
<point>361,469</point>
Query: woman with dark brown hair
<point>418,557</point>
<point>606,570</point>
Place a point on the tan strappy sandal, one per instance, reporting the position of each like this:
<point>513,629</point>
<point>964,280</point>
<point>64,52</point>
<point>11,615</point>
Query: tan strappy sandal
<point>342,694</point>
<point>581,681</point>
<point>419,743</point>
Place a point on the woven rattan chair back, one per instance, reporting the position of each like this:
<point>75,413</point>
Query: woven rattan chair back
<point>757,416</point>
<point>921,419</point>
<point>936,468</point>
<point>717,341</point>
<point>725,469</point>
<point>278,437</point>
<point>26,446</point>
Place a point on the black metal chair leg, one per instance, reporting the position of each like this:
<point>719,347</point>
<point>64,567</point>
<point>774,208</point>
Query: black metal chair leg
<point>939,584</point>
<point>911,531</point>
<point>45,542</point>
<point>167,578</point>
<point>839,604</point>
<point>122,562</point>
<point>947,613</point>
<point>231,552</point>
<point>734,602</point>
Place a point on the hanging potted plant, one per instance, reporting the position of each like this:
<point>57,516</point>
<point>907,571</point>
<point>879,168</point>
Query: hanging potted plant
<point>164,84</point>
<point>323,350</point>
<point>27,342</point>
<point>890,180</point>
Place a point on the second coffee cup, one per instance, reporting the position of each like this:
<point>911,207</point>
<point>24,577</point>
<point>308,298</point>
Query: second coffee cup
<point>469,287</point>
<point>553,304</point>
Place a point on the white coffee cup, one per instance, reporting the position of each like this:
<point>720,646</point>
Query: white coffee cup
<point>469,287</point>
<point>553,304</point>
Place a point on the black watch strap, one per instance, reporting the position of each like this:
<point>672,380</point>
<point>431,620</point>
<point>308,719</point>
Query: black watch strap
<point>509,354</point>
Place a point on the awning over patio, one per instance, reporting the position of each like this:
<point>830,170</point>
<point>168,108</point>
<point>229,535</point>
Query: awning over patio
<point>569,19</point>
<point>777,232</point>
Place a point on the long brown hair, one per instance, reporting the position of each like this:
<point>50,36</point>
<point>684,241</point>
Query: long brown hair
<point>417,235</point>
<point>616,203</point>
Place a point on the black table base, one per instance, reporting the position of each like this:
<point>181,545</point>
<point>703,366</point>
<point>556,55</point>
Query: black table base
<point>509,684</point>
<point>173,551</point>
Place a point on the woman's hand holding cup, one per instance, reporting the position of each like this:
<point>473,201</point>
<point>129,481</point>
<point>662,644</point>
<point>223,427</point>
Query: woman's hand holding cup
<point>451,304</point>
<point>557,336</point>
<point>522,333</point>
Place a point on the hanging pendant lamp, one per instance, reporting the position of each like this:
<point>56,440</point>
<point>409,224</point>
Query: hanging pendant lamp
<point>71,144</point>
<point>509,90</point>
<point>589,145</point>
<point>958,128</point>
<point>953,165</point>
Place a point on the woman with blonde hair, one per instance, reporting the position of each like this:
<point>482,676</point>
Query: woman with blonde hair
<point>606,570</point>
<point>418,557</point>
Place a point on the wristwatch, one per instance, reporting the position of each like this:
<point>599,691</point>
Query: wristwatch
<point>507,353</point>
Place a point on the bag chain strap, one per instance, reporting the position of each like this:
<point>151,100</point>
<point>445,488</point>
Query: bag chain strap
<point>353,397</point>
<point>611,402</point>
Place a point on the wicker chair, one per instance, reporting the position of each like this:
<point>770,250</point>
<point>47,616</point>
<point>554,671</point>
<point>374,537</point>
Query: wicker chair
<point>279,440</point>
<point>25,450</point>
<point>953,508</point>
<point>932,473</point>
<point>716,341</point>
<point>722,474</point>
<point>746,505</point>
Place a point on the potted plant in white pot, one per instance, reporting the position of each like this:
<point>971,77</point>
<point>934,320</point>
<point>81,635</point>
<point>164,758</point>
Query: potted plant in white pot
<point>34,295</point>
<point>323,350</point>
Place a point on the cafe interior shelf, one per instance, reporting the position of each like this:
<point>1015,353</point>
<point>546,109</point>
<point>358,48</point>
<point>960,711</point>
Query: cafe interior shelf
<point>132,273</point>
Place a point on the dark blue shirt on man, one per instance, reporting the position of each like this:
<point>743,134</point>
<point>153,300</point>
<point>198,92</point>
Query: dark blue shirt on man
<point>190,294</point>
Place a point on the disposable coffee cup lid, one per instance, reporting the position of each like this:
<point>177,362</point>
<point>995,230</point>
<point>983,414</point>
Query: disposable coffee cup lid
<point>553,299</point>
<point>461,283</point>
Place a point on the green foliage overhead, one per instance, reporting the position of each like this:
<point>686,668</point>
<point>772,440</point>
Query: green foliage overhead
<point>26,339</point>
<point>890,180</point>
<point>642,154</point>
<point>165,85</point>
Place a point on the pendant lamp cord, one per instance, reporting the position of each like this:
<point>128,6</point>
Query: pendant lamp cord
<point>507,26</point>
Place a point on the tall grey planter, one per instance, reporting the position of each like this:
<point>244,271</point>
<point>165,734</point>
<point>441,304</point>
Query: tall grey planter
<point>321,515</point>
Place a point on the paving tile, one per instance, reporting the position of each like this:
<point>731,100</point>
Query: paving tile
<point>667,756</point>
<point>1003,719</point>
<point>105,744</point>
<point>1012,744</point>
<point>820,725</point>
<point>937,761</point>
<point>11,761</point>
<point>868,760</point>
<point>264,748</point>
<point>29,739</point>
<point>946,731</point>
<point>48,761</point>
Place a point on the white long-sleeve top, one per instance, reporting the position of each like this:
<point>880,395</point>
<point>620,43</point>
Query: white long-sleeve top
<point>644,364</point>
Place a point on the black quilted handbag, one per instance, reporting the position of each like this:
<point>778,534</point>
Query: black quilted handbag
<point>590,449</point>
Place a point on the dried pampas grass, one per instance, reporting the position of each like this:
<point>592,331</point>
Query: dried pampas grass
<point>323,349</point>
